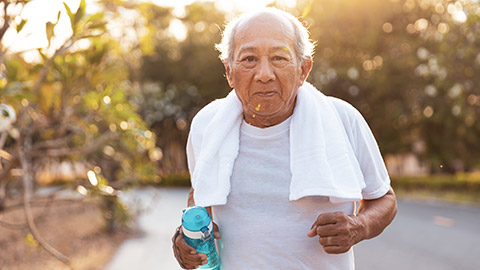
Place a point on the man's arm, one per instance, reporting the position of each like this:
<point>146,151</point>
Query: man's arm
<point>339,232</point>
<point>377,214</point>
<point>191,202</point>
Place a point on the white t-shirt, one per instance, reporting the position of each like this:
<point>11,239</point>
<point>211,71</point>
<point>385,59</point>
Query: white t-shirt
<point>260,227</point>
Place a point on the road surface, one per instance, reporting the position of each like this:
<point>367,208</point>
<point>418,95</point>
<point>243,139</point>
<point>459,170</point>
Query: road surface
<point>423,236</point>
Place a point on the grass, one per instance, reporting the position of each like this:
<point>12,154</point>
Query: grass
<point>461,188</point>
<point>443,196</point>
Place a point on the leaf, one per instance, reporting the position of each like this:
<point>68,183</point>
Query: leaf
<point>95,21</point>
<point>49,29</point>
<point>90,36</point>
<point>58,17</point>
<point>98,25</point>
<point>31,240</point>
<point>70,14</point>
<point>21,25</point>
<point>96,17</point>
<point>46,97</point>
<point>307,9</point>
<point>44,57</point>
<point>15,88</point>
<point>80,12</point>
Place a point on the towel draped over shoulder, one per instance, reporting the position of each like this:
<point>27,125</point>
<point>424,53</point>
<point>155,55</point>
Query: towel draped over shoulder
<point>322,160</point>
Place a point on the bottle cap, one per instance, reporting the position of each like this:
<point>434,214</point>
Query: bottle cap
<point>196,223</point>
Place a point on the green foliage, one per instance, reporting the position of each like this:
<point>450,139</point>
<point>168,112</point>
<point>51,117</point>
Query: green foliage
<point>461,187</point>
<point>21,25</point>
<point>409,67</point>
<point>176,180</point>
<point>70,14</point>
<point>459,182</point>
<point>178,77</point>
<point>75,105</point>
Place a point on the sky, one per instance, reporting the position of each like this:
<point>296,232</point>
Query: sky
<point>39,12</point>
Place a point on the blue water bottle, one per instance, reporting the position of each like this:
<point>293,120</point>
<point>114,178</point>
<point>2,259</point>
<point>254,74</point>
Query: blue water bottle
<point>197,229</point>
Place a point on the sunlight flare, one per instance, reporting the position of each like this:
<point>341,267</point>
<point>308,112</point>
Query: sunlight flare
<point>92,178</point>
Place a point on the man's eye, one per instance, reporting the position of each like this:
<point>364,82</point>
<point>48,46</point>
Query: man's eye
<point>279,58</point>
<point>249,59</point>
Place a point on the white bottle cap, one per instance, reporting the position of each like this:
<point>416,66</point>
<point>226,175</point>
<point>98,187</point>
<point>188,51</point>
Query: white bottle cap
<point>196,234</point>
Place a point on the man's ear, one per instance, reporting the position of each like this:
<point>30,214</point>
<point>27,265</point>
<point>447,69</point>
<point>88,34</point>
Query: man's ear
<point>306,67</point>
<point>228,74</point>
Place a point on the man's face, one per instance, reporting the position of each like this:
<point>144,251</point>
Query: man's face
<point>265,71</point>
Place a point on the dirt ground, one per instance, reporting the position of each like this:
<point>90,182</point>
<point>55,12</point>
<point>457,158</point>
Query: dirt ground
<point>76,229</point>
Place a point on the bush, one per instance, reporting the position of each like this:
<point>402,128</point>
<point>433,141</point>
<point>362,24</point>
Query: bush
<point>463,183</point>
<point>176,180</point>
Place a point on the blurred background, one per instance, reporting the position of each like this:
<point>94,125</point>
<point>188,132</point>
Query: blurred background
<point>96,99</point>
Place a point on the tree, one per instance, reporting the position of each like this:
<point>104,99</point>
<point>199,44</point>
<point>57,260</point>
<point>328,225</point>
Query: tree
<point>73,106</point>
<point>179,75</point>
<point>409,67</point>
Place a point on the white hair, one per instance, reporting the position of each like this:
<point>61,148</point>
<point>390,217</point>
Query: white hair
<point>304,46</point>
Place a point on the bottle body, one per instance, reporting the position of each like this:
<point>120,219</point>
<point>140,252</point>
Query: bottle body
<point>207,247</point>
<point>197,228</point>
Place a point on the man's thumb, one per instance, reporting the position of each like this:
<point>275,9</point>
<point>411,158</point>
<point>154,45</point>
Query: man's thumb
<point>313,231</point>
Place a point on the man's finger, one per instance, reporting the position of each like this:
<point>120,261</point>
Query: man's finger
<point>188,255</point>
<point>336,249</point>
<point>313,230</point>
<point>182,245</point>
<point>330,218</point>
<point>327,230</point>
<point>327,241</point>
<point>339,240</point>
<point>194,259</point>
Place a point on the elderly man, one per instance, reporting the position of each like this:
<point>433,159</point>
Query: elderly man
<point>280,166</point>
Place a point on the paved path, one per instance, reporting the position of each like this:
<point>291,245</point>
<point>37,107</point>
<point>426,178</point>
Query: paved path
<point>423,236</point>
<point>152,249</point>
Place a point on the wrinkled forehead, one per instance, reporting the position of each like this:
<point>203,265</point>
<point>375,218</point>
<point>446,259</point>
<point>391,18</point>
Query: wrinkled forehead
<point>264,23</point>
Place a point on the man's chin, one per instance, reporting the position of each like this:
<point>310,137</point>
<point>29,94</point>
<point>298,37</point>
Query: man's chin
<point>265,112</point>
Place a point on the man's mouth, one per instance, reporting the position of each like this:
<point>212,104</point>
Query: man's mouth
<point>266,94</point>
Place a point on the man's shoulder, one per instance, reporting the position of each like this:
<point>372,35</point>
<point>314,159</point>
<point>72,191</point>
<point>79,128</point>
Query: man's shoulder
<point>202,118</point>
<point>346,111</point>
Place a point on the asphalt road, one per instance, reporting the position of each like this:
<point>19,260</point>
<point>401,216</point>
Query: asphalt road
<point>423,236</point>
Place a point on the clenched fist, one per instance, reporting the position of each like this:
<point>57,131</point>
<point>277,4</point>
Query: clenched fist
<point>337,231</point>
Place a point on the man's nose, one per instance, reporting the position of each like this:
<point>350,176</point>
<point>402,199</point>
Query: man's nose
<point>265,71</point>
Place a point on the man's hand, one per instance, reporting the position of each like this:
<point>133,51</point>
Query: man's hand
<point>338,232</point>
<point>187,256</point>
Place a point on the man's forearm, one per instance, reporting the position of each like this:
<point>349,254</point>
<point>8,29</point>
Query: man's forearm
<point>376,215</point>
<point>190,201</point>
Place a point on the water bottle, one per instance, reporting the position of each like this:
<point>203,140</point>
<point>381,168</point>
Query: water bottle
<point>197,229</point>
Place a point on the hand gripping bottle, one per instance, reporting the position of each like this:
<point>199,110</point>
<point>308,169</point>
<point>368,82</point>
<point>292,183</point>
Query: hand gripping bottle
<point>197,227</point>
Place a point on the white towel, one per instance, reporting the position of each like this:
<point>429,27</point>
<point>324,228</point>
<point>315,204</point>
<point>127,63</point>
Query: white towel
<point>322,160</point>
